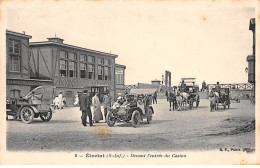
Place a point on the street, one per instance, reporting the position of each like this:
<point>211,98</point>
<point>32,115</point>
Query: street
<point>196,129</point>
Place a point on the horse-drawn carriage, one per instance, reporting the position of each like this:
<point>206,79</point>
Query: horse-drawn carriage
<point>189,86</point>
<point>224,98</point>
<point>135,106</point>
<point>35,104</point>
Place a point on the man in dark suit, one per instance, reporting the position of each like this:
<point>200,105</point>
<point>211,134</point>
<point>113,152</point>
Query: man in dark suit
<point>84,103</point>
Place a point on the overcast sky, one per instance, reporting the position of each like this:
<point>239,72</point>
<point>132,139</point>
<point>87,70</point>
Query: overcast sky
<point>209,41</point>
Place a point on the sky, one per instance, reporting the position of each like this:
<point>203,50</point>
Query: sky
<point>205,40</point>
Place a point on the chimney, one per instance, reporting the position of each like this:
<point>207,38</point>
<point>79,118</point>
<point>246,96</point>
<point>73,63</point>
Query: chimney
<point>56,40</point>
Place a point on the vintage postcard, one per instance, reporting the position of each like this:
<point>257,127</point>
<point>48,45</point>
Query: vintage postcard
<point>129,82</point>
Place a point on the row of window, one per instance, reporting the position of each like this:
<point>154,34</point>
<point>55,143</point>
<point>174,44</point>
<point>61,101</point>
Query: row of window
<point>68,66</point>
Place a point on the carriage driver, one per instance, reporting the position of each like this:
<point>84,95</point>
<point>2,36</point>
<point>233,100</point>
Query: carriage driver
<point>217,87</point>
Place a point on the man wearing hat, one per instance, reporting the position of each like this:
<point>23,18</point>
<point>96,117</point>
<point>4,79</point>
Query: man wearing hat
<point>84,103</point>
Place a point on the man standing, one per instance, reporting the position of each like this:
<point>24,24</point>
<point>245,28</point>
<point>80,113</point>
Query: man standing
<point>84,103</point>
<point>155,97</point>
<point>217,88</point>
<point>107,103</point>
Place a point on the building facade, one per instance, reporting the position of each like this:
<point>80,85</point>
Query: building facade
<point>70,68</point>
<point>251,58</point>
<point>120,79</point>
<point>18,81</point>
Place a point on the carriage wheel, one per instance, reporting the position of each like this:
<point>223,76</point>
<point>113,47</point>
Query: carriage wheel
<point>27,114</point>
<point>46,116</point>
<point>197,103</point>
<point>190,104</point>
<point>149,118</point>
<point>136,118</point>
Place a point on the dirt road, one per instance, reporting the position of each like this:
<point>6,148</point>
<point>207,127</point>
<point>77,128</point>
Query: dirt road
<point>196,129</point>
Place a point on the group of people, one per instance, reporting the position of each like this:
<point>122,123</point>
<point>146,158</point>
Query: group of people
<point>59,101</point>
<point>85,102</point>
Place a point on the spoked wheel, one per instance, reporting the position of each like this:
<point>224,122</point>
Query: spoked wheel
<point>136,118</point>
<point>27,114</point>
<point>46,116</point>
<point>111,120</point>
<point>190,104</point>
<point>197,103</point>
<point>225,105</point>
<point>149,118</point>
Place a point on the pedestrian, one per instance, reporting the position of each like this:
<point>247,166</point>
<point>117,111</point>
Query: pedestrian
<point>97,109</point>
<point>217,87</point>
<point>107,103</point>
<point>76,99</point>
<point>60,97</point>
<point>84,103</point>
<point>155,97</point>
<point>64,101</point>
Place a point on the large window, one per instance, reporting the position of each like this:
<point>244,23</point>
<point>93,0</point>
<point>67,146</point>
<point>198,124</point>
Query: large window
<point>68,64</point>
<point>15,57</point>
<point>83,70</point>
<point>83,66</point>
<point>63,68</point>
<point>107,73</point>
<point>119,76</point>
<point>91,59</point>
<point>72,69</point>
<point>14,46</point>
<point>91,71</point>
<point>100,72</point>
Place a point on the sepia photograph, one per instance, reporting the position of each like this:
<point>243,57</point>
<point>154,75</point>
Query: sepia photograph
<point>129,82</point>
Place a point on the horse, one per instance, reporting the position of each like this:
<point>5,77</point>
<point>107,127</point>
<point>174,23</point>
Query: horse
<point>182,100</point>
<point>213,98</point>
<point>216,100</point>
<point>172,100</point>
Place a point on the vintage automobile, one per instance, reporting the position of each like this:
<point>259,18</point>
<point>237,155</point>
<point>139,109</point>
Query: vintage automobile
<point>189,86</point>
<point>224,98</point>
<point>135,106</point>
<point>37,103</point>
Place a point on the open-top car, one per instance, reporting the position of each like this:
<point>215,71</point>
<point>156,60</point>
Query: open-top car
<point>36,103</point>
<point>134,107</point>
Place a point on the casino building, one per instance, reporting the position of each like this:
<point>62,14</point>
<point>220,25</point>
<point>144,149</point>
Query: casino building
<point>70,68</point>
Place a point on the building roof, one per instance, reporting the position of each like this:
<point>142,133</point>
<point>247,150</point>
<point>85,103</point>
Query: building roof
<point>121,66</point>
<point>156,80</point>
<point>18,34</point>
<point>70,46</point>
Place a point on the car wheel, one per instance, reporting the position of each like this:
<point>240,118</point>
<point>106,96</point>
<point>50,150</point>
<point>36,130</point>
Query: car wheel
<point>111,120</point>
<point>149,118</point>
<point>27,114</point>
<point>136,118</point>
<point>46,116</point>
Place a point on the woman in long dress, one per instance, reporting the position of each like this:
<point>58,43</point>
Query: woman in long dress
<point>97,109</point>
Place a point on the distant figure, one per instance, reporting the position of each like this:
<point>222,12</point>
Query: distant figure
<point>76,99</point>
<point>84,103</point>
<point>183,86</point>
<point>64,101</point>
<point>60,101</point>
<point>97,109</point>
<point>107,103</point>
<point>204,86</point>
<point>56,102</point>
<point>217,87</point>
<point>167,94</point>
<point>155,97</point>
